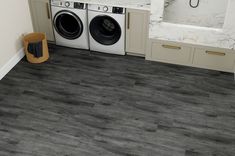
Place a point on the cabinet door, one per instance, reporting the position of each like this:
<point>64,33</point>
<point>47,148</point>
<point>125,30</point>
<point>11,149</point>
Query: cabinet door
<point>137,22</point>
<point>41,17</point>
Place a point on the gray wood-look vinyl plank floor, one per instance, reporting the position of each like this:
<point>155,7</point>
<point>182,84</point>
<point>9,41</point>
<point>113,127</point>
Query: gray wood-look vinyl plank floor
<point>78,104</point>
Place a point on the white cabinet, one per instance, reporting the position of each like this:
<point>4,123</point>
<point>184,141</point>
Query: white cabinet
<point>137,22</point>
<point>41,17</point>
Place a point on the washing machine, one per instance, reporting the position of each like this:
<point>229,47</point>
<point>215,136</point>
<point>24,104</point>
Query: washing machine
<point>106,29</point>
<point>70,23</point>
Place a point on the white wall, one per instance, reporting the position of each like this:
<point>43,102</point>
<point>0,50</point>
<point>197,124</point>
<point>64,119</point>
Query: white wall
<point>15,21</point>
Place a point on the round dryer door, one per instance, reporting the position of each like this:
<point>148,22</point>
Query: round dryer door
<point>68,25</point>
<point>105,30</point>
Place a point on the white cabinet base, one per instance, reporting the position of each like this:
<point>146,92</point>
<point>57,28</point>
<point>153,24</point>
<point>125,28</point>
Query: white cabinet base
<point>191,55</point>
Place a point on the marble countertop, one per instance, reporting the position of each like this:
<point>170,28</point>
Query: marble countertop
<point>131,4</point>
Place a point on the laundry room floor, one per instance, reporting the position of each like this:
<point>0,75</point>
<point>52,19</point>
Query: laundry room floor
<point>78,104</point>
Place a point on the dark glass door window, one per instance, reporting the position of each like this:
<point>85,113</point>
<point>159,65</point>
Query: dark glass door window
<point>68,25</point>
<point>105,30</point>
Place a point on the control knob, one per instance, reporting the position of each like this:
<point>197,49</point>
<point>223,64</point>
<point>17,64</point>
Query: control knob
<point>105,8</point>
<point>67,4</point>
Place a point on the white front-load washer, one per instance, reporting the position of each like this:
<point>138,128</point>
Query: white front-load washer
<point>70,23</point>
<point>106,29</point>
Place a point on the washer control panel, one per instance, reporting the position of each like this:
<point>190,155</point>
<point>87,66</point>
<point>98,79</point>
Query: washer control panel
<point>68,4</point>
<point>117,10</point>
<point>108,9</point>
<point>78,5</point>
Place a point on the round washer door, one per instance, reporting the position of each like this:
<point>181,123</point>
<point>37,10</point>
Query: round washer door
<point>105,30</point>
<point>68,25</point>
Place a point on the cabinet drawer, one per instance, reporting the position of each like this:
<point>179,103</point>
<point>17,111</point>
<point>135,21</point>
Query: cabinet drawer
<point>216,60</point>
<point>171,53</point>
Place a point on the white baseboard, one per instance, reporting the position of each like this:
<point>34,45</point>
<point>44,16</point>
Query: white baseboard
<point>11,63</point>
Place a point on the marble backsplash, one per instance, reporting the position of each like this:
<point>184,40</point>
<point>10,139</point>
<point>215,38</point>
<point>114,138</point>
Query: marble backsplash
<point>209,13</point>
<point>223,37</point>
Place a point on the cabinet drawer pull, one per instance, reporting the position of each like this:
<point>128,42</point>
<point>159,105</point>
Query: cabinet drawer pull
<point>128,20</point>
<point>171,47</point>
<point>48,11</point>
<point>215,53</point>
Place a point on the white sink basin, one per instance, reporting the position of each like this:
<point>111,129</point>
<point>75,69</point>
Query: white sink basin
<point>209,13</point>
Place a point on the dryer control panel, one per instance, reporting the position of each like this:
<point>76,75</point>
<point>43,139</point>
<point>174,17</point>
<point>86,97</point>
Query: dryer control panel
<point>107,9</point>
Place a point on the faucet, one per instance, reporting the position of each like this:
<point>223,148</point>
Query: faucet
<point>194,6</point>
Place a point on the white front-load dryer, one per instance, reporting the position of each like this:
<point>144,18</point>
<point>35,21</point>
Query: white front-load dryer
<point>70,23</point>
<point>106,29</point>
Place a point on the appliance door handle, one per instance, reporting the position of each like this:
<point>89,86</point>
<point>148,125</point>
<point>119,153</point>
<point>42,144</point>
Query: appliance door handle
<point>48,11</point>
<point>128,20</point>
